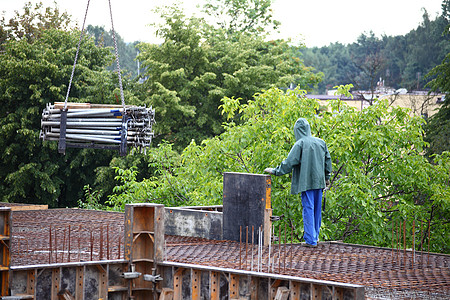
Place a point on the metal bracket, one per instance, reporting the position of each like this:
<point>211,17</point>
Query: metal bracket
<point>276,218</point>
<point>152,278</point>
<point>124,135</point>
<point>62,133</point>
<point>131,275</point>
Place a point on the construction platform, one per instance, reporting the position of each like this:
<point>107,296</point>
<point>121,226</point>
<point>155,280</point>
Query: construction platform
<point>218,252</point>
<point>45,239</point>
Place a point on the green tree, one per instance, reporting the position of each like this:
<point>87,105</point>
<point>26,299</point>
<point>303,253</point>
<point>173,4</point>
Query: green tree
<point>127,52</point>
<point>380,176</point>
<point>333,60</point>
<point>34,72</point>
<point>242,16</point>
<point>30,23</point>
<point>197,65</point>
<point>438,127</point>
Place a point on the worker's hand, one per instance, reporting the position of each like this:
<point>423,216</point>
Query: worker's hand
<point>327,183</point>
<point>268,170</point>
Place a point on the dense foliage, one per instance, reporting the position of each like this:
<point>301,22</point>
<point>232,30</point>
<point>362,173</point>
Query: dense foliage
<point>35,65</point>
<point>380,176</point>
<point>127,51</point>
<point>197,65</point>
<point>438,127</point>
<point>222,104</point>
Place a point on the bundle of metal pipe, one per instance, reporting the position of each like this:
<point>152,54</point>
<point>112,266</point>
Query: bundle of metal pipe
<point>98,126</point>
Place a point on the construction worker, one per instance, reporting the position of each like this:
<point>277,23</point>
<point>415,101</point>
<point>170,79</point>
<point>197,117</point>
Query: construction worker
<point>310,163</point>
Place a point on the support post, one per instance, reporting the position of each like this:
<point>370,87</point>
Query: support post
<point>144,247</point>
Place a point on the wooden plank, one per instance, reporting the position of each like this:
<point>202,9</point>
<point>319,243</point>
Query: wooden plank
<point>234,287</point>
<point>76,105</point>
<point>29,207</point>
<point>274,284</point>
<point>166,294</point>
<point>282,293</point>
<point>214,285</point>
<point>195,284</point>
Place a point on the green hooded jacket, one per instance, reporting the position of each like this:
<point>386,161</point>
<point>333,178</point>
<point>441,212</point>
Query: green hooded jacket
<point>309,160</point>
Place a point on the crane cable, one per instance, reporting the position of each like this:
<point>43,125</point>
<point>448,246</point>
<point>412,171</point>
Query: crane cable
<point>78,50</point>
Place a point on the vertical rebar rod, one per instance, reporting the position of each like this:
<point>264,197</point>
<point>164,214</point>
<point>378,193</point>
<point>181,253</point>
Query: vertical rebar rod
<point>270,248</point>
<point>50,246</point>
<point>56,245</point>
<point>414,242</point>
<point>68,246</point>
<point>404,242</point>
<point>279,249</point>
<point>253,244</point>
<point>421,241</point>
<point>92,243</point>
<point>64,245</point>
<point>428,256</point>
<point>261,247</point>
<point>101,243</point>
<point>274,253</point>
<point>246,245</point>
<point>79,250</point>
<point>398,239</point>
<point>292,248</point>
<point>392,234</point>
<point>107,241</point>
<point>240,241</point>
<point>285,244</point>
<point>259,253</point>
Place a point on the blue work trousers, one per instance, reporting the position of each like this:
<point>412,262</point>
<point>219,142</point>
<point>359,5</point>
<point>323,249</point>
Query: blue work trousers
<point>312,215</point>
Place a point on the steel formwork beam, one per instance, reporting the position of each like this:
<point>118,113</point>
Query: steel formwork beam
<point>252,285</point>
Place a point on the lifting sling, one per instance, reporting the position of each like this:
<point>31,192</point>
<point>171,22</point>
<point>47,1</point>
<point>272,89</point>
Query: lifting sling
<point>84,125</point>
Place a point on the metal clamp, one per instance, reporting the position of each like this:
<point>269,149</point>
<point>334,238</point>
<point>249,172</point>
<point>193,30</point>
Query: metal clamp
<point>152,278</point>
<point>131,275</point>
<point>276,218</point>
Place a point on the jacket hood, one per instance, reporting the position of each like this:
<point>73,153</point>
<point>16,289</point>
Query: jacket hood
<point>301,129</point>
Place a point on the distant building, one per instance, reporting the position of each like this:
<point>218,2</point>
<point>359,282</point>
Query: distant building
<point>421,103</point>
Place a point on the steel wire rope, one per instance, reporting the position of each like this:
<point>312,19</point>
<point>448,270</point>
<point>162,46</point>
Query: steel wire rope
<point>115,50</point>
<point>117,57</point>
<point>76,55</point>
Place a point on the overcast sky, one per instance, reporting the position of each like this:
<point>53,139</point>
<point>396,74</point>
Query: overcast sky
<point>315,22</point>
